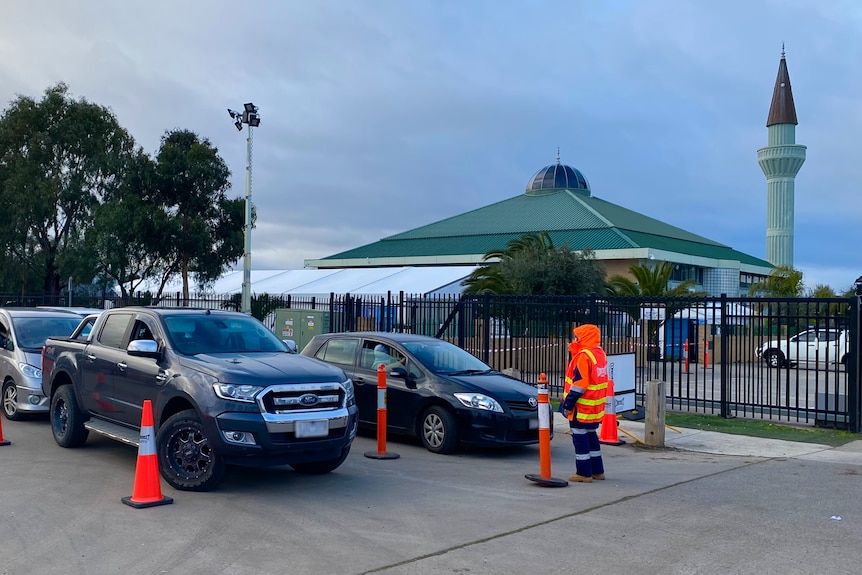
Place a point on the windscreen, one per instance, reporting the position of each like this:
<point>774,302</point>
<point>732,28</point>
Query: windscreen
<point>208,334</point>
<point>31,332</point>
<point>442,357</point>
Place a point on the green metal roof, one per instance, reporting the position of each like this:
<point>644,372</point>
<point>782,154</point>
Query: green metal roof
<point>570,217</point>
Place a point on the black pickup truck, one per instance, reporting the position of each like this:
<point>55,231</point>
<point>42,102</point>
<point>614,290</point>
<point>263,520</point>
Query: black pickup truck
<point>224,389</point>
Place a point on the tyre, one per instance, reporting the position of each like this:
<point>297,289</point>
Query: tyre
<point>67,419</point>
<point>321,467</point>
<point>438,430</point>
<point>10,402</point>
<point>187,459</point>
<point>774,358</point>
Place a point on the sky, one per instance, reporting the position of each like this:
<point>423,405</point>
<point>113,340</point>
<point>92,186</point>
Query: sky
<point>381,116</point>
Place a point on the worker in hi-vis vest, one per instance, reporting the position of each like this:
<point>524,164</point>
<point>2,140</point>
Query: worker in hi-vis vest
<point>584,401</point>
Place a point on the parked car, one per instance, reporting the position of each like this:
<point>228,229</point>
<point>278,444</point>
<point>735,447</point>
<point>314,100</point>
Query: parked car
<point>817,346</point>
<point>223,388</point>
<point>23,331</point>
<point>435,390</point>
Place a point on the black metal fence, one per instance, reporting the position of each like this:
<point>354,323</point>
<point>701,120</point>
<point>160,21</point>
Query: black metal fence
<point>784,359</point>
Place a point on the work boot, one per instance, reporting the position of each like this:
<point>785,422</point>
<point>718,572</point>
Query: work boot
<point>580,478</point>
<point>599,476</point>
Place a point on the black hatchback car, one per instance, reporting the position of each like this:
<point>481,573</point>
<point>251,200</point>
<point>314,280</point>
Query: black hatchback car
<point>435,390</point>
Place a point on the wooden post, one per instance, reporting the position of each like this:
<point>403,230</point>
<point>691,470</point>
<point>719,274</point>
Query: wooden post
<point>656,393</point>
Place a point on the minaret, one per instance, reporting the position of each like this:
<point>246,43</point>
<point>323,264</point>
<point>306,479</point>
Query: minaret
<point>780,161</point>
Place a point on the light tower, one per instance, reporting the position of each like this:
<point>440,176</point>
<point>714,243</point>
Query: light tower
<point>251,118</point>
<point>780,161</point>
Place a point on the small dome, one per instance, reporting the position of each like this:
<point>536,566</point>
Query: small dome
<point>558,177</point>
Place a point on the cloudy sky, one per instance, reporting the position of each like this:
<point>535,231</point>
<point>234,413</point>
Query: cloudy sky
<point>382,116</point>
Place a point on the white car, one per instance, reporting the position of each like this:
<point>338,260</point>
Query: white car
<point>820,346</point>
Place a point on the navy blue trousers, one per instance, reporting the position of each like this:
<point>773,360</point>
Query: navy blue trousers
<point>588,453</point>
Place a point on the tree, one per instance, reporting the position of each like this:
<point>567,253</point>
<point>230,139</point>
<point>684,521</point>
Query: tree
<point>58,155</point>
<point>205,227</point>
<point>651,281</point>
<point>126,242</point>
<point>532,265</point>
<point>783,281</point>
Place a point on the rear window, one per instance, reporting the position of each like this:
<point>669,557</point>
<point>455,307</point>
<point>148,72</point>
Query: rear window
<point>342,351</point>
<point>114,330</point>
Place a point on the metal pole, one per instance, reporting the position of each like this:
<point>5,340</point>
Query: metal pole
<point>246,264</point>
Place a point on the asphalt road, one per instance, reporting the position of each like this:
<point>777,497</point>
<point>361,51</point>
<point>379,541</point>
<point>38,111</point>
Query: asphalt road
<point>660,511</point>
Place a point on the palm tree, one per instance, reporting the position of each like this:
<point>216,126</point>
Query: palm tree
<point>488,277</point>
<point>650,281</point>
<point>783,281</point>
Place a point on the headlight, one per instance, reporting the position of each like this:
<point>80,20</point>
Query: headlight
<point>349,397</point>
<point>30,371</point>
<point>236,392</point>
<point>479,401</point>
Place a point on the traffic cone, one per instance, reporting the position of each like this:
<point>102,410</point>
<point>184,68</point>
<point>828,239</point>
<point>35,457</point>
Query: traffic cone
<point>609,435</point>
<point>148,490</point>
<point>2,441</point>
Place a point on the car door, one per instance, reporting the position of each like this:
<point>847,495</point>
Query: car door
<point>342,352</point>
<point>138,378</point>
<point>99,366</point>
<point>401,393</point>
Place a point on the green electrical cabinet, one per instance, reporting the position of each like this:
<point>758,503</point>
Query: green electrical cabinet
<point>300,325</point>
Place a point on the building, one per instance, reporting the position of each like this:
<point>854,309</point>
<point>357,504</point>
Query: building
<point>780,161</point>
<point>558,199</point>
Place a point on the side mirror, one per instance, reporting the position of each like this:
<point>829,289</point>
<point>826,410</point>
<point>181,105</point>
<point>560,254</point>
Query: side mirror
<point>9,345</point>
<point>144,348</point>
<point>399,372</point>
<point>291,346</point>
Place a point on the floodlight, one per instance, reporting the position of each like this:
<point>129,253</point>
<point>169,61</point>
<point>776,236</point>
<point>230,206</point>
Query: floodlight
<point>238,125</point>
<point>232,113</point>
<point>250,107</point>
<point>253,120</point>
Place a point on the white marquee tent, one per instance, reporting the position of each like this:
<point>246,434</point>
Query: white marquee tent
<point>430,280</point>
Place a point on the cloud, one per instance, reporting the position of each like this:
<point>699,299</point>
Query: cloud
<point>378,117</point>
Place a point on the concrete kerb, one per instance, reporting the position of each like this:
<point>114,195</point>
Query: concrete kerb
<point>739,445</point>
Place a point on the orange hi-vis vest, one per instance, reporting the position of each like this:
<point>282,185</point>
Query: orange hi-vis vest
<point>590,406</point>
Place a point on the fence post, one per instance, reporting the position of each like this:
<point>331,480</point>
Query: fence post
<point>854,398</point>
<point>486,323</point>
<point>722,359</point>
<point>462,320</point>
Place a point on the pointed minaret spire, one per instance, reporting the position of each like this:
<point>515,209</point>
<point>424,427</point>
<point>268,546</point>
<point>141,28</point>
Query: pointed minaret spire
<point>558,155</point>
<point>782,110</point>
<point>780,161</point>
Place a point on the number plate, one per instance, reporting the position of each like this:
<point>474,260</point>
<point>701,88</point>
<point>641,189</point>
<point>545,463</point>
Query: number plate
<point>315,428</point>
<point>534,424</point>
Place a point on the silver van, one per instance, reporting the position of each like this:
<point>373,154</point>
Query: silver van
<point>23,331</point>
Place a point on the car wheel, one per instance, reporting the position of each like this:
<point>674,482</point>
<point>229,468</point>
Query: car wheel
<point>321,467</point>
<point>10,402</point>
<point>438,430</point>
<point>774,358</point>
<point>187,459</point>
<point>67,419</point>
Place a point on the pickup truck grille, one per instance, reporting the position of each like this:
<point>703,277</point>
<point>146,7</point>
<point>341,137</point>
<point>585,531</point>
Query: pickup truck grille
<point>284,399</point>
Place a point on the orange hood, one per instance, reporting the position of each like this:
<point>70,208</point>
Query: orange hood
<point>588,335</point>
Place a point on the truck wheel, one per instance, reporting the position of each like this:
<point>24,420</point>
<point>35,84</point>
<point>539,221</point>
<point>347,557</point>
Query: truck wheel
<point>67,419</point>
<point>10,402</point>
<point>774,358</point>
<point>321,467</point>
<point>187,459</point>
<point>439,430</point>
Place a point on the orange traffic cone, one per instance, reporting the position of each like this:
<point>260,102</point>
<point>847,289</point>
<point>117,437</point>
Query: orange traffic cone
<point>148,490</point>
<point>2,441</point>
<point>609,435</point>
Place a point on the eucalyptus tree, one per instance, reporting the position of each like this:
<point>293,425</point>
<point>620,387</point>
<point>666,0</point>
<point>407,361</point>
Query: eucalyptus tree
<point>203,232</point>
<point>58,155</point>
